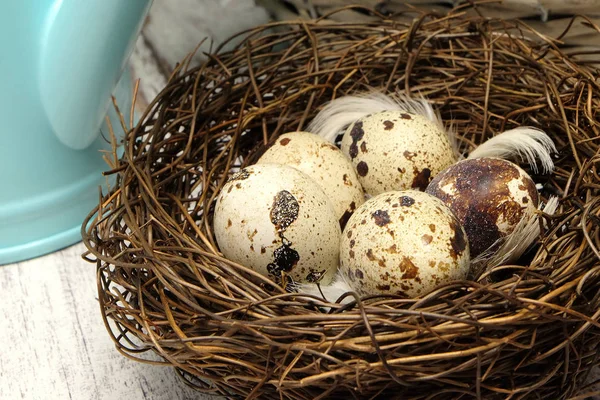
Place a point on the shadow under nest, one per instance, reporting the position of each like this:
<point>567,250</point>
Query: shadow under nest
<point>529,331</point>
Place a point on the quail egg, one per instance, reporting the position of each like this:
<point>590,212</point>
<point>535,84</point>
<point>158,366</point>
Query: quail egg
<point>324,163</point>
<point>489,196</point>
<point>276,220</point>
<point>403,242</point>
<point>395,150</point>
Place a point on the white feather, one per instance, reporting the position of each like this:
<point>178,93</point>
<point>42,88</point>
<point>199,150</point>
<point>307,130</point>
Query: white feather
<point>527,143</point>
<point>452,134</point>
<point>515,244</point>
<point>340,113</point>
<point>331,292</point>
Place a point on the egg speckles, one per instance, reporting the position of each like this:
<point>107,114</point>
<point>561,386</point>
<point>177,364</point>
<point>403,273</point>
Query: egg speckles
<point>324,163</point>
<point>403,242</point>
<point>278,221</point>
<point>489,196</point>
<point>394,150</point>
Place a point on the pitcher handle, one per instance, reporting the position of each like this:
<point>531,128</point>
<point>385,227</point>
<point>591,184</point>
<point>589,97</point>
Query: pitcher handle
<point>85,48</point>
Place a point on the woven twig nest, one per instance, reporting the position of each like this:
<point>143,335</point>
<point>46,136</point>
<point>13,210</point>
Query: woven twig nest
<point>531,332</point>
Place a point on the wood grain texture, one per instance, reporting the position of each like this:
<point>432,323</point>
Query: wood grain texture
<point>54,344</point>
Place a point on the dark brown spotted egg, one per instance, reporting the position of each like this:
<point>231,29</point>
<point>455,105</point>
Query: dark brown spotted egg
<point>405,243</point>
<point>324,163</point>
<point>278,221</point>
<point>395,150</point>
<point>489,196</point>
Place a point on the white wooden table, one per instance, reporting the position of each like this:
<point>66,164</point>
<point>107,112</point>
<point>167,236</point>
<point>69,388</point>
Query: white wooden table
<point>53,344</point>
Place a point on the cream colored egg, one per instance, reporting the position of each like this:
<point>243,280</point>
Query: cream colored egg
<point>325,164</point>
<point>489,196</point>
<point>394,150</point>
<point>403,242</point>
<point>277,220</point>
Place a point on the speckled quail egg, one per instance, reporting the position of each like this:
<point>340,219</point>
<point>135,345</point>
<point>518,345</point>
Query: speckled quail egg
<point>324,163</point>
<point>395,150</point>
<point>403,242</point>
<point>489,196</point>
<point>276,220</point>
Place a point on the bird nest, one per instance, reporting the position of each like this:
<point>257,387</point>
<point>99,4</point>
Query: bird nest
<point>525,330</point>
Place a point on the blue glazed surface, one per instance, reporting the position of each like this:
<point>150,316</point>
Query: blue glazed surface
<point>60,62</point>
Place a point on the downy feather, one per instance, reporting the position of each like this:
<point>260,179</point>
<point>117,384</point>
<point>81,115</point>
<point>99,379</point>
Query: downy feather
<point>340,113</point>
<point>515,244</point>
<point>332,292</point>
<point>528,144</point>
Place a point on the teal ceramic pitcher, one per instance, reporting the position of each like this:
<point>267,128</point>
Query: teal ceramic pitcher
<point>60,62</point>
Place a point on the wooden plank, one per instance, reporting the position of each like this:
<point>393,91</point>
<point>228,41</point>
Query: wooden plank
<point>55,345</point>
